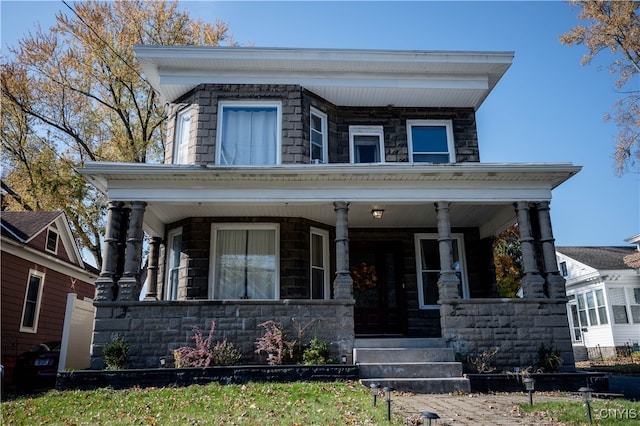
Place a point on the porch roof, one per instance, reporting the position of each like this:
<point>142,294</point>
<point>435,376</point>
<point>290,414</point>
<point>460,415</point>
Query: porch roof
<point>345,77</point>
<point>482,194</point>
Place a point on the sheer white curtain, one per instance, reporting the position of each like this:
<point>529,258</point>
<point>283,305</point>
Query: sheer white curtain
<point>249,136</point>
<point>245,264</point>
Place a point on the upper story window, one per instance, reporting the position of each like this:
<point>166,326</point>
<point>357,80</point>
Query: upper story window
<point>181,139</point>
<point>249,133</point>
<point>366,144</point>
<point>318,136</point>
<point>52,241</point>
<point>563,269</point>
<point>32,300</point>
<point>431,141</point>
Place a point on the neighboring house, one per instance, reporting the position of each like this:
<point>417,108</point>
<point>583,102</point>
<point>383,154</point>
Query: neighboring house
<point>41,264</point>
<point>337,188</point>
<point>604,299</point>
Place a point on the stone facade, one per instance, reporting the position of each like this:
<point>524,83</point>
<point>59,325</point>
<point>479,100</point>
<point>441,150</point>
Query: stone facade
<point>155,328</point>
<point>203,104</point>
<point>516,327</point>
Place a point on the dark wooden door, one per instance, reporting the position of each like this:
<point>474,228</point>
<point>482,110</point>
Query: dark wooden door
<point>376,269</point>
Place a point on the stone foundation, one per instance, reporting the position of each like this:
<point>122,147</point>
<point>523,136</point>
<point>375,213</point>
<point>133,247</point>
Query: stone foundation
<point>517,327</point>
<point>155,328</point>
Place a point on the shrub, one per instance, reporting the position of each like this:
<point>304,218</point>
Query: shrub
<point>273,343</point>
<point>204,354</point>
<point>484,362</point>
<point>116,354</point>
<point>317,353</point>
<point>549,359</point>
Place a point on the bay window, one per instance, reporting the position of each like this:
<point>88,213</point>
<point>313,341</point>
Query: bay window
<point>318,136</point>
<point>181,138</point>
<point>249,133</point>
<point>366,144</point>
<point>244,261</point>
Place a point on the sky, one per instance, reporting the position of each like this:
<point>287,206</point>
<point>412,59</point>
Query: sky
<point>546,109</point>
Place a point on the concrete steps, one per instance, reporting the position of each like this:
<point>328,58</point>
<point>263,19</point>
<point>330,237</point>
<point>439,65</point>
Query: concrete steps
<point>414,365</point>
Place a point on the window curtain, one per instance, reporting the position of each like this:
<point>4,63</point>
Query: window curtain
<point>249,136</point>
<point>245,264</point>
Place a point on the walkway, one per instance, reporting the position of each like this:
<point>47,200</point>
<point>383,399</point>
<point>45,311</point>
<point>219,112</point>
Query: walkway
<point>499,409</point>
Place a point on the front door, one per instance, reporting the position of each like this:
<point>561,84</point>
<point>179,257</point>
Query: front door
<point>376,269</point>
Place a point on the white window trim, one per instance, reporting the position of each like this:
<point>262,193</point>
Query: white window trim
<point>627,301</point>
<point>463,266</point>
<point>323,123</point>
<point>46,242</point>
<point>36,315</point>
<point>177,137</point>
<point>450,142</point>
<point>365,131</point>
<point>249,103</point>
<point>167,274</point>
<point>325,261</point>
<point>243,226</point>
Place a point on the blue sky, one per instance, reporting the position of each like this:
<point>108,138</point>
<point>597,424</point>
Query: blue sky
<point>546,109</point>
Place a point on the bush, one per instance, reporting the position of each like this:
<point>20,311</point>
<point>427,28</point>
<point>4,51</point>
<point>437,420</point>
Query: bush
<point>222,353</point>
<point>116,354</point>
<point>549,359</point>
<point>273,343</point>
<point>482,363</point>
<point>317,353</point>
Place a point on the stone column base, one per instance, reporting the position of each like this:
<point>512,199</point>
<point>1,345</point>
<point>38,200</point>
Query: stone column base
<point>104,289</point>
<point>128,287</point>
<point>343,287</point>
<point>532,286</point>
<point>448,286</point>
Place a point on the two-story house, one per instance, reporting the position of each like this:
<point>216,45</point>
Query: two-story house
<point>40,266</point>
<point>338,188</point>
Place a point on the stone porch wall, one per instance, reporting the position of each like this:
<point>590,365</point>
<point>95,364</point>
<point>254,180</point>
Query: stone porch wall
<point>517,327</point>
<point>155,328</point>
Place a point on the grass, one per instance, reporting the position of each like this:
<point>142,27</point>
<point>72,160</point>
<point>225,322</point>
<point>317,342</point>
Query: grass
<point>299,403</point>
<point>603,412</point>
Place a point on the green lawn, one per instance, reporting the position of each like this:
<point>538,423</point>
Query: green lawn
<point>603,412</point>
<point>299,403</point>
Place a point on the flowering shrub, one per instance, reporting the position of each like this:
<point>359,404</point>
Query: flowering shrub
<point>364,277</point>
<point>273,343</point>
<point>204,354</point>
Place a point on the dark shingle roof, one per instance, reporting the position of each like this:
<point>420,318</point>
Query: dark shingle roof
<point>24,225</point>
<point>606,257</point>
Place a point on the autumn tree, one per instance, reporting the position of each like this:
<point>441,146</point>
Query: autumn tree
<point>615,26</point>
<point>75,93</point>
<point>507,258</point>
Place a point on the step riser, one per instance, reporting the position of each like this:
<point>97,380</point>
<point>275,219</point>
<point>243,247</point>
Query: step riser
<point>423,385</point>
<point>415,371</point>
<point>382,355</point>
<point>399,342</point>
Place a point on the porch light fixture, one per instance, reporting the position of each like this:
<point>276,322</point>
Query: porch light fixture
<point>387,397</point>
<point>429,416</point>
<point>585,393</point>
<point>375,389</point>
<point>163,362</point>
<point>529,385</point>
<point>377,213</point>
<point>343,358</point>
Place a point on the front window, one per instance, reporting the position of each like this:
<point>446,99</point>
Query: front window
<point>428,266</point>
<point>318,136</point>
<point>245,261</point>
<point>592,306</point>
<point>319,264</point>
<point>32,299</point>
<point>367,144</point>
<point>52,240</point>
<point>181,139</point>
<point>248,133</point>
<point>625,304</point>
<point>430,141</point>
<point>174,250</point>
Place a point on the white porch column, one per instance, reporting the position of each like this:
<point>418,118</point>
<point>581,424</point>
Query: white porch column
<point>106,283</point>
<point>448,282</point>
<point>555,282</point>
<point>532,283</point>
<point>129,284</point>
<point>342,284</point>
